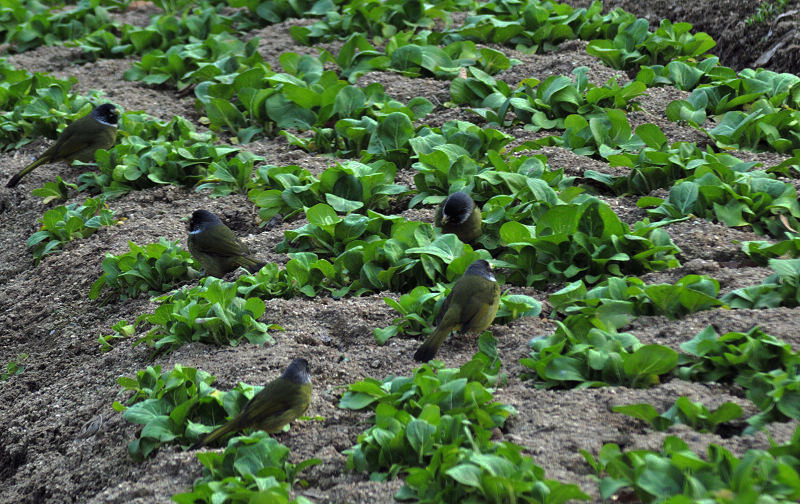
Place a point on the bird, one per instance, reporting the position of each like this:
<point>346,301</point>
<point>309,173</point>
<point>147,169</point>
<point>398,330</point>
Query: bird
<point>80,140</point>
<point>459,215</point>
<point>216,248</point>
<point>280,402</point>
<point>470,307</point>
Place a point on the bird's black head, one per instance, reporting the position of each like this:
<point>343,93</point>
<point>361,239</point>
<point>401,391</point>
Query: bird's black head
<point>106,114</point>
<point>298,372</point>
<point>457,208</point>
<point>482,268</point>
<point>202,220</point>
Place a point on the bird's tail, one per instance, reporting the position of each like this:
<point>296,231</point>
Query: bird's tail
<point>251,264</point>
<point>428,349</point>
<point>18,176</point>
<point>214,435</point>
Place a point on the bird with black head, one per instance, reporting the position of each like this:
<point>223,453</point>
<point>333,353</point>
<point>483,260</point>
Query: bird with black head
<point>79,141</point>
<point>469,308</point>
<point>459,215</point>
<point>280,402</point>
<point>216,248</point>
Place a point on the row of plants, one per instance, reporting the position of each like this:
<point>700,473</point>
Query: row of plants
<point>541,104</point>
<point>677,474</point>
<point>222,54</point>
<point>349,187</point>
<point>183,315</point>
<point>90,24</point>
<point>529,25</point>
<point>225,313</point>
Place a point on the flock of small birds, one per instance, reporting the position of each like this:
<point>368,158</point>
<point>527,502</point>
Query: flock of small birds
<point>469,308</point>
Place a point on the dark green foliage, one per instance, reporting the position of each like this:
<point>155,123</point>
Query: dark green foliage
<point>435,427</point>
<point>679,475</point>
<point>684,411</point>
<point>67,223</point>
<point>153,269</point>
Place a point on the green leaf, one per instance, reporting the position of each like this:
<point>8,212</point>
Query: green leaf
<point>466,474</point>
<point>651,360</point>
<point>642,411</point>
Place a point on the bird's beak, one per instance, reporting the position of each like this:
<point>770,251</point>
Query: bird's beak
<point>445,219</point>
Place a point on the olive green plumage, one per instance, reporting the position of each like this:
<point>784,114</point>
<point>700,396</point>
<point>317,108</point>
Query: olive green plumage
<point>470,307</point>
<point>459,215</point>
<point>216,248</point>
<point>280,402</point>
<point>79,141</point>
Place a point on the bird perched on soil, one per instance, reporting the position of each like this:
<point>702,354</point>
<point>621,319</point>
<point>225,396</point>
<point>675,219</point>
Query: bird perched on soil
<point>80,140</point>
<point>281,401</point>
<point>214,245</point>
<point>470,307</point>
<point>459,215</point>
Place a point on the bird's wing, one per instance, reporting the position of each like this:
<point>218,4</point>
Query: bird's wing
<point>77,137</point>
<point>443,309</point>
<point>224,244</point>
<point>477,310</point>
<point>257,409</point>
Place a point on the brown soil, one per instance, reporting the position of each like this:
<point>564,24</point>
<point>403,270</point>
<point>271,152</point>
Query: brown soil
<point>45,311</point>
